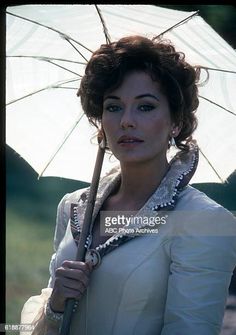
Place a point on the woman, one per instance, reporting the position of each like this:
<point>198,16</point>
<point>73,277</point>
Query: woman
<point>142,94</point>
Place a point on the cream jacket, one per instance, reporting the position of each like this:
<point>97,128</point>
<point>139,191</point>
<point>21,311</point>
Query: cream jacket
<point>173,282</point>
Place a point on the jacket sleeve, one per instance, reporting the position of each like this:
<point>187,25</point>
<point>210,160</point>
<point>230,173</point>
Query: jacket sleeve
<point>203,256</point>
<point>62,219</point>
<point>62,222</point>
<point>33,309</point>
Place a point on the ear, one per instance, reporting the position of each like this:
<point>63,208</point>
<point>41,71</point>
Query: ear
<point>175,130</point>
<point>101,138</point>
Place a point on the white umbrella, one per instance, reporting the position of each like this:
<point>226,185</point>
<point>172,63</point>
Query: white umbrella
<point>43,109</point>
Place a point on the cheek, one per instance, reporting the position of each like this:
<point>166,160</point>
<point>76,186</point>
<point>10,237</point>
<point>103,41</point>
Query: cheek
<point>105,123</point>
<point>110,120</point>
<point>161,127</point>
<point>108,126</point>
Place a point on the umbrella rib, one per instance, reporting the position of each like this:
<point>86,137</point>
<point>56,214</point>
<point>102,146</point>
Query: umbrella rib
<point>42,89</point>
<point>105,30</point>
<point>62,67</point>
<point>60,146</point>
<point>28,95</point>
<point>211,165</point>
<point>76,49</point>
<point>68,81</point>
<point>179,23</point>
<point>214,69</point>
<point>50,28</point>
<point>214,103</point>
<point>46,58</point>
<point>68,88</point>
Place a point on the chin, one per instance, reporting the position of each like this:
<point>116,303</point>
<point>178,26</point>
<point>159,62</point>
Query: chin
<point>129,158</point>
<point>141,157</point>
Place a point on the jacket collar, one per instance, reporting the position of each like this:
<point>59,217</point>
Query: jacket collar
<point>182,167</point>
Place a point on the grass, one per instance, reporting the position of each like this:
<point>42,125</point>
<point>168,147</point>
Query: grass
<point>29,245</point>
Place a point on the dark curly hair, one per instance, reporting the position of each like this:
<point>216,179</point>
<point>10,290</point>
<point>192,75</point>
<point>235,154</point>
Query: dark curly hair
<point>108,65</point>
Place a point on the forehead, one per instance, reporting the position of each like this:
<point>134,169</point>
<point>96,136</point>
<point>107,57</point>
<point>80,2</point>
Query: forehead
<point>136,83</point>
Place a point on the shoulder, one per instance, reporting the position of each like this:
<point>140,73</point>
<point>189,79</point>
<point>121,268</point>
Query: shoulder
<point>63,209</point>
<point>82,194</point>
<point>64,212</point>
<point>64,206</point>
<point>199,215</point>
<point>73,197</point>
<point>191,199</point>
<point>204,232</point>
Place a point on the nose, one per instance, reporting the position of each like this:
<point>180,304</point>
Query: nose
<point>128,119</point>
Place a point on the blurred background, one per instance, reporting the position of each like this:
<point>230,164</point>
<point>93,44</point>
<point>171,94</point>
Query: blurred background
<point>31,203</point>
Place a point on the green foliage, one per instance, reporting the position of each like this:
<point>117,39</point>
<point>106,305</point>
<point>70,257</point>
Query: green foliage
<point>28,252</point>
<point>222,18</point>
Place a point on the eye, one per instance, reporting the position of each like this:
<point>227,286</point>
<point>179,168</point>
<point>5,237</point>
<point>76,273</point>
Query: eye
<point>112,108</point>
<point>146,107</point>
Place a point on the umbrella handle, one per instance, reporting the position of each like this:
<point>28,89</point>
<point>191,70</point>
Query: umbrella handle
<point>67,316</point>
<point>84,233</point>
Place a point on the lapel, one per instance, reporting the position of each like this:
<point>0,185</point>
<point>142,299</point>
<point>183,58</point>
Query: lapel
<point>182,168</point>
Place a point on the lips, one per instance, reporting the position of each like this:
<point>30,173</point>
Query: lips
<point>129,139</point>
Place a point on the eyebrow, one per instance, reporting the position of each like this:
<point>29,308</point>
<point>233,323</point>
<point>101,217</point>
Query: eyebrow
<point>111,97</point>
<point>138,97</point>
<point>147,95</point>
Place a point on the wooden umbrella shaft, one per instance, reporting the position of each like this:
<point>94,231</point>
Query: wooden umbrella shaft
<point>84,233</point>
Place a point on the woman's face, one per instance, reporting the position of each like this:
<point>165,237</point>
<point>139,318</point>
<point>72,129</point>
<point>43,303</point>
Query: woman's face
<point>136,120</point>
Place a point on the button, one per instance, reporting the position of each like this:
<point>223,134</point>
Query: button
<point>93,257</point>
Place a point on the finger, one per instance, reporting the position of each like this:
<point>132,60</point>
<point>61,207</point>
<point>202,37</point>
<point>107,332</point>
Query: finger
<point>79,287</point>
<point>77,265</point>
<point>90,266</point>
<point>64,289</point>
<point>71,293</point>
<point>72,274</point>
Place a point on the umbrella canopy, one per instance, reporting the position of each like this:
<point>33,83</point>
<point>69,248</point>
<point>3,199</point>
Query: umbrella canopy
<point>48,47</point>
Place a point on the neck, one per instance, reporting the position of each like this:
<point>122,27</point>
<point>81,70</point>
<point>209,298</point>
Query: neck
<point>139,181</point>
